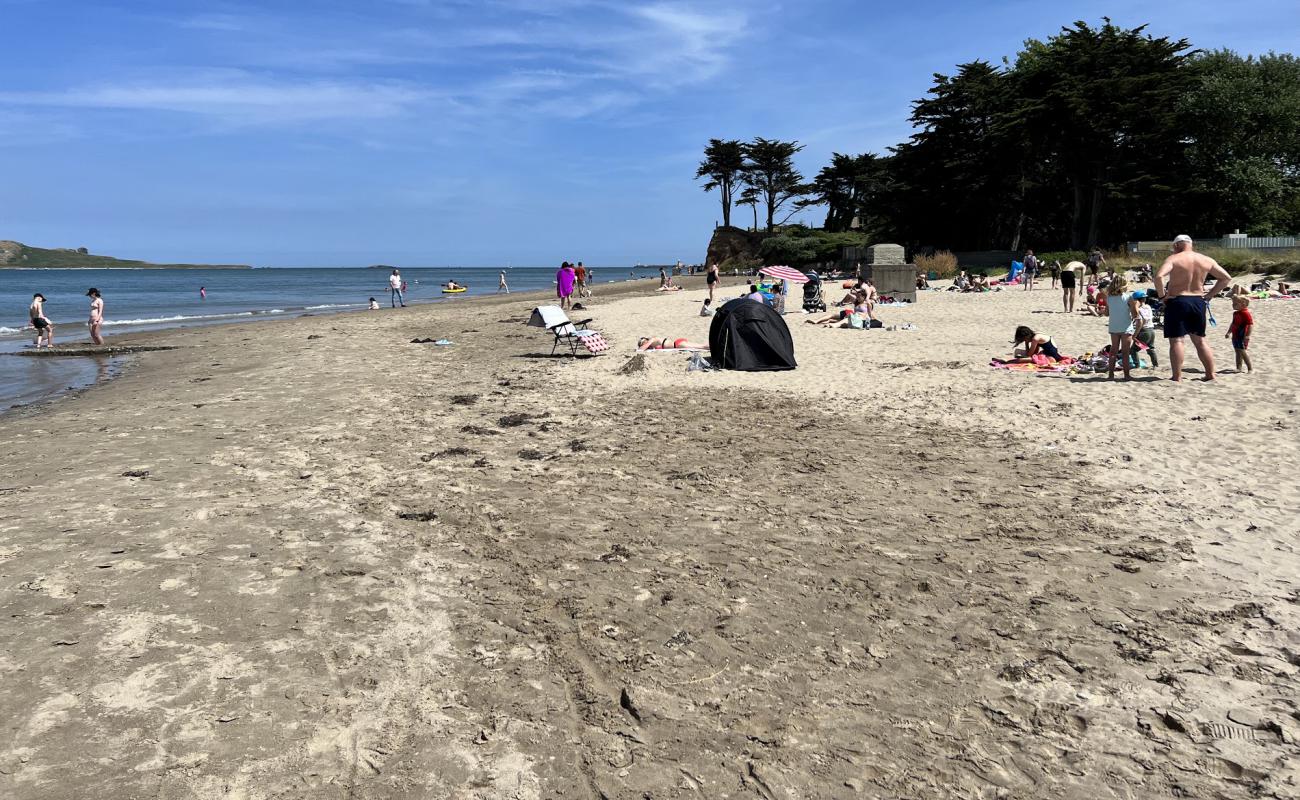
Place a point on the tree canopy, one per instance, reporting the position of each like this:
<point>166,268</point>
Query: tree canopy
<point>1093,136</point>
<point>723,165</point>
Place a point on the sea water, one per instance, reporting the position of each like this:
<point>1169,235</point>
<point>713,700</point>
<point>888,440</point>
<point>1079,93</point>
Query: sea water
<point>145,299</point>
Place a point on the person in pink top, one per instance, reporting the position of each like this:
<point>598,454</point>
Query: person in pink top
<point>564,282</point>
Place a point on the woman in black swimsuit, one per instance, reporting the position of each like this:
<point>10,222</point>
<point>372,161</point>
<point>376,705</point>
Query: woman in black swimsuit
<point>1034,343</point>
<point>711,278</point>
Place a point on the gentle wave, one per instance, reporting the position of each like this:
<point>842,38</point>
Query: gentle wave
<point>177,318</point>
<point>6,331</point>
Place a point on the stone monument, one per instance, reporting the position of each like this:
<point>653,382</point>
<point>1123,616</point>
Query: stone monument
<point>886,266</point>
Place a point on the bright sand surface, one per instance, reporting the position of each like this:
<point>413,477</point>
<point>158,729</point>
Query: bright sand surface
<point>306,558</point>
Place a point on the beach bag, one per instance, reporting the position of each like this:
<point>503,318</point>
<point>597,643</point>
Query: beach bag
<point>699,364</point>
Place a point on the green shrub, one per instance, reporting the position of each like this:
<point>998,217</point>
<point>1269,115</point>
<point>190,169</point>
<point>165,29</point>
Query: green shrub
<point>789,250</point>
<point>796,245</point>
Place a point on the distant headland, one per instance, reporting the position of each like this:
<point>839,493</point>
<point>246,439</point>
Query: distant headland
<point>16,255</point>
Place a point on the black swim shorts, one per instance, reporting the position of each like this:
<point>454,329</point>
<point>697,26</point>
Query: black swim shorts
<point>1184,315</point>
<point>39,324</point>
<point>1067,279</point>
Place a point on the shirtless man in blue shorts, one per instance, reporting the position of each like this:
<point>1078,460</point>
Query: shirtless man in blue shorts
<point>1180,282</point>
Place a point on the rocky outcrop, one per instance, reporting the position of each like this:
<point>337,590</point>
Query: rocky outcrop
<point>733,247</point>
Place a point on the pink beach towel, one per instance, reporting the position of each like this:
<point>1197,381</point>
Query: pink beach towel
<point>594,343</point>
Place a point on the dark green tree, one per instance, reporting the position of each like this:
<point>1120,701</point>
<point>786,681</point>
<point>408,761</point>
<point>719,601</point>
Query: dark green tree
<point>1242,118</point>
<point>1103,101</point>
<point>749,197</point>
<point>723,164</point>
<point>770,172</point>
<point>958,174</point>
<point>847,187</point>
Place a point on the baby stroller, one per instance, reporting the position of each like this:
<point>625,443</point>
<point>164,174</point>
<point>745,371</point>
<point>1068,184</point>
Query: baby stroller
<point>1157,309</point>
<point>812,293</point>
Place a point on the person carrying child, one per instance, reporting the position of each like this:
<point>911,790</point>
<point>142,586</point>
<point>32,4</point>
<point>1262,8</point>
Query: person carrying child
<point>1243,325</point>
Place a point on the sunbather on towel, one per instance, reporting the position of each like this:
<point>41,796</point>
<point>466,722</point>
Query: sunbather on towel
<point>841,315</point>
<point>664,343</point>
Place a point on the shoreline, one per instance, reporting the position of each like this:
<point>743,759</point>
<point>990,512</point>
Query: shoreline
<point>82,348</point>
<point>312,557</point>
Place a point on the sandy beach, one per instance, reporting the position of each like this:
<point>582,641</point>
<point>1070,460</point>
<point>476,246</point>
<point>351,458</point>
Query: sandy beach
<point>307,558</point>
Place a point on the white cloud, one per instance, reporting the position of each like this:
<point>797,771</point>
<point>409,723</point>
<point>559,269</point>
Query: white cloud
<point>508,59</point>
<point>237,98</point>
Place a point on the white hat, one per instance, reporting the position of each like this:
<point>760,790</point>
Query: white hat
<point>1182,237</point>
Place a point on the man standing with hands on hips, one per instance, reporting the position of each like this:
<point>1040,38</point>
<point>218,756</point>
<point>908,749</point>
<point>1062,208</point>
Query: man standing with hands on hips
<point>1180,283</point>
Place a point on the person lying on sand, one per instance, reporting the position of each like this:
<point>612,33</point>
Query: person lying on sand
<point>842,314</point>
<point>1034,343</point>
<point>663,343</point>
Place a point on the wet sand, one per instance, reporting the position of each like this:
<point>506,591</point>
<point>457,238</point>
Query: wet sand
<point>306,558</point>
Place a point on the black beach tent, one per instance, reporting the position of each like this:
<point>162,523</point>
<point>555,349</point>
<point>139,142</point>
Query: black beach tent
<point>750,336</point>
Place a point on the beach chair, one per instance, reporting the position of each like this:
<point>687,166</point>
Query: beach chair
<point>573,334</point>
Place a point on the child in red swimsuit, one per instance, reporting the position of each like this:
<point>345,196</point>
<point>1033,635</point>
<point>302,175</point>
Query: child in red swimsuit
<point>1243,325</point>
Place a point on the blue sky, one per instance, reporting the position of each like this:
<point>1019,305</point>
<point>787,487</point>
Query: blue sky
<point>423,133</point>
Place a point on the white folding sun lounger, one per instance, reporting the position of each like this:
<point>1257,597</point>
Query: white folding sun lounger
<point>574,334</point>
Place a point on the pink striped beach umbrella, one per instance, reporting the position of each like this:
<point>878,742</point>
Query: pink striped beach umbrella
<point>784,274</point>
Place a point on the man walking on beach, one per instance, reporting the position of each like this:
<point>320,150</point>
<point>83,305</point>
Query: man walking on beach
<point>501,283</point>
<point>1180,283</point>
<point>42,324</point>
<point>1031,270</point>
<point>96,316</point>
<point>395,287</point>
<point>580,275</point>
<point>1095,260</point>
